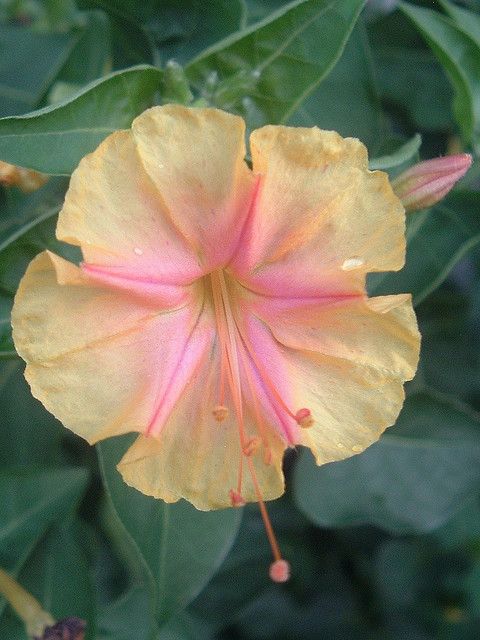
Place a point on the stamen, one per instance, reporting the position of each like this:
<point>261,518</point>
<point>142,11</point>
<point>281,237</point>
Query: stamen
<point>252,446</point>
<point>269,529</point>
<point>236,498</point>
<point>256,409</point>
<point>220,412</point>
<point>304,418</point>
<point>228,330</point>
<point>264,375</point>
<point>267,456</point>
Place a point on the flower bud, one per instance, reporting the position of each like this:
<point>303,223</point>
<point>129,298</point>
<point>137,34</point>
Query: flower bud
<point>426,183</point>
<point>66,629</point>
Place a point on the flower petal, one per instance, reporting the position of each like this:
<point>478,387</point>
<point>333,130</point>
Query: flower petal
<point>195,158</point>
<point>100,360</point>
<point>113,211</point>
<point>197,458</point>
<point>321,220</point>
<point>352,386</point>
<point>376,332</point>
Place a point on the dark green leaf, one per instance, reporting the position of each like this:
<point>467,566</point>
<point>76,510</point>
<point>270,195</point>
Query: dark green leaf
<point>460,56</point>
<point>130,611</point>
<point>266,71</point>
<point>91,56</point>
<point>29,436</point>
<point>413,480</point>
<point>259,9</point>
<point>347,100</point>
<point>30,61</point>
<point>405,153</point>
<point>436,240</point>
<point>449,335</point>
<point>32,500</point>
<point>186,627</point>
<point>468,21</point>
<point>401,73</point>
<point>179,547</point>
<point>58,575</point>
<point>182,29</point>
<point>54,139</point>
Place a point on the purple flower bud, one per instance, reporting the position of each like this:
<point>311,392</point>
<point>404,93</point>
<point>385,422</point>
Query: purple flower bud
<point>426,183</point>
<point>66,629</point>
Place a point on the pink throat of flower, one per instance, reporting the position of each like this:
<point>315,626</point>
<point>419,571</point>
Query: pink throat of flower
<point>237,354</point>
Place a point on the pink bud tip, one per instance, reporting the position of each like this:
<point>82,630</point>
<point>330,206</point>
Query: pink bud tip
<point>279,571</point>
<point>426,183</point>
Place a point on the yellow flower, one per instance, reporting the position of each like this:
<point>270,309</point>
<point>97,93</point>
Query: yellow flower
<point>221,311</point>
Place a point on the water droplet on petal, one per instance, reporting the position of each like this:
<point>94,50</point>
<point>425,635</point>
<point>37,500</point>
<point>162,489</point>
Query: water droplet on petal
<point>352,263</point>
<point>138,251</point>
<point>357,448</point>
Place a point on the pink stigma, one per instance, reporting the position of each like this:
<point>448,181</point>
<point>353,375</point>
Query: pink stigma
<point>280,571</point>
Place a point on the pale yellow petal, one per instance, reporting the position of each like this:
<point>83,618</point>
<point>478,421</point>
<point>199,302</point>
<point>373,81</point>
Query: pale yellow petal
<point>195,158</point>
<point>381,332</point>
<point>197,458</point>
<point>321,220</point>
<point>351,405</point>
<point>352,383</point>
<point>96,359</point>
<point>114,212</point>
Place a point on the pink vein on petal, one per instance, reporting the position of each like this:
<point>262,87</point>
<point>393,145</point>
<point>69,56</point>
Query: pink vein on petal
<point>241,242</point>
<point>143,286</point>
<point>189,358</point>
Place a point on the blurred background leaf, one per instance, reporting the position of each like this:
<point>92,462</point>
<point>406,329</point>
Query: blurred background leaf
<point>459,54</point>
<point>387,485</point>
<point>54,139</point>
<point>266,71</point>
<point>436,240</point>
<point>177,547</point>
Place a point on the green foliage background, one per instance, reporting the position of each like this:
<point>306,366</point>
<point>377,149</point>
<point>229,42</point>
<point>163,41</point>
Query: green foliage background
<point>383,546</point>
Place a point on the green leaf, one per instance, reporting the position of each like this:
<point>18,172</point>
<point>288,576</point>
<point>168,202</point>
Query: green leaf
<point>91,56</point>
<point>347,100</point>
<point>404,154</point>
<point>32,500</point>
<point>460,56</point>
<point>266,71</point>
<point>401,71</point>
<point>32,435</point>
<point>58,575</point>
<point>54,139</point>
<point>412,481</point>
<point>130,611</point>
<point>180,548</point>
<point>449,334</point>
<point>436,240</point>
<point>30,62</point>
<point>184,28</point>
<point>468,21</point>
